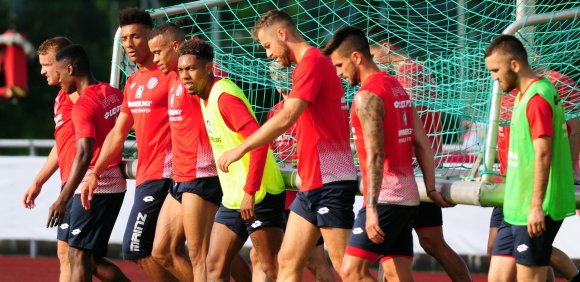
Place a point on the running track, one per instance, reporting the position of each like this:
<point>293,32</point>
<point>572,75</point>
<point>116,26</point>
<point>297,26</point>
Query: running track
<point>24,269</point>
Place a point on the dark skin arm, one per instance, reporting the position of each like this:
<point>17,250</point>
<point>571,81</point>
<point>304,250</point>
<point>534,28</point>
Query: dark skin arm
<point>79,167</point>
<point>370,111</point>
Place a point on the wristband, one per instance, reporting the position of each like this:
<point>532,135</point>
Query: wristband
<point>431,191</point>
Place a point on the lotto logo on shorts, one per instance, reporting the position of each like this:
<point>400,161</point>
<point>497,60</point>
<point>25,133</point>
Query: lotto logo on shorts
<point>323,210</point>
<point>522,248</point>
<point>137,231</point>
<point>63,226</point>
<point>256,224</point>
<point>76,231</point>
<point>357,231</point>
<point>148,199</point>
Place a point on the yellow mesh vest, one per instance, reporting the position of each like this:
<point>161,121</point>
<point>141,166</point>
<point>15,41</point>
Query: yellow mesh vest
<point>223,139</point>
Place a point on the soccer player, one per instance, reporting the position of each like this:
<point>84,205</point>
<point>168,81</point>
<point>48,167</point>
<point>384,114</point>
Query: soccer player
<point>93,116</point>
<point>284,150</point>
<point>62,153</point>
<point>145,108</point>
<point>196,192</point>
<point>253,190</point>
<point>538,151</point>
<point>387,130</point>
<point>413,77</point>
<point>326,168</point>
<point>566,88</point>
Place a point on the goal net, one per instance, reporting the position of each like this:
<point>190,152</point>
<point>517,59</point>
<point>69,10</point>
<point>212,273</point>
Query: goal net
<point>446,38</point>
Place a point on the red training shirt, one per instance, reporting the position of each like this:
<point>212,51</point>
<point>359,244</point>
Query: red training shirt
<point>64,134</point>
<point>322,130</point>
<point>145,99</point>
<point>192,154</point>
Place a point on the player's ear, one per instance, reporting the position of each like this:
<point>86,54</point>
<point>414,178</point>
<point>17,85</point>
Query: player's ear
<point>515,65</point>
<point>209,67</point>
<point>70,69</point>
<point>356,57</point>
<point>281,33</point>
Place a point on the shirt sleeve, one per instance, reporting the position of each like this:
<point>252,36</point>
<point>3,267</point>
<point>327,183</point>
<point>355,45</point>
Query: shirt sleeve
<point>84,120</point>
<point>306,82</point>
<point>239,119</point>
<point>234,111</point>
<point>539,113</point>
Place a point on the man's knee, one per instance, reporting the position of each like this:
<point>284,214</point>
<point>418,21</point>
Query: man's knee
<point>270,268</point>
<point>77,256</point>
<point>350,271</point>
<point>162,258</point>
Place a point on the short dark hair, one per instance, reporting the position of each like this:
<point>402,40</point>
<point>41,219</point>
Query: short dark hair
<point>509,45</point>
<point>270,18</point>
<point>55,43</point>
<point>170,30</point>
<point>135,15</point>
<point>346,40</point>
<point>201,49</point>
<point>76,56</point>
<point>377,34</point>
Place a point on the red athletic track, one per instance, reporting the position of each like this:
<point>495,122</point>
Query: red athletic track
<point>24,269</point>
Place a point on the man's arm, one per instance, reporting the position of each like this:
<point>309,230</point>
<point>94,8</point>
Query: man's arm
<point>47,170</point>
<point>426,160</point>
<point>111,149</point>
<point>371,111</point>
<point>78,169</point>
<point>273,128</point>
<point>542,160</point>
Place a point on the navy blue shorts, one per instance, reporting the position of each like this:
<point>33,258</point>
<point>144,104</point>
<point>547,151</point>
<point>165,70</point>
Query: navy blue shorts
<point>496,218</point>
<point>90,230</point>
<point>328,206</point>
<point>395,221</point>
<point>428,215</point>
<point>269,213</point>
<point>208,188</point>
<point>140,230</point>
<point>62,232</point>
<point>514,240</point>
<point>320,241</point>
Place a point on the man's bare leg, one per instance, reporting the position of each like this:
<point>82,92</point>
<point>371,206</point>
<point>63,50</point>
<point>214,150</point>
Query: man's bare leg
<point>154,270</point>
<point>398,269</point>
<point>356,269</point>
<point>318,265</point>
<point>62,253</point>
<point>169,244</point>
<point>267,243</point>
<point>563,264</point>
<point>241,271</point>
<point>531,273</point>
<point>223,247</point>
<point>198,216</point>
<point>299,239</point>
<point>502,269</point>
<point>336,239</point>
<point>434,244</point>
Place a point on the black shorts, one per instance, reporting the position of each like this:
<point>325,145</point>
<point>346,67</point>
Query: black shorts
<point>328,206</point>
<point>269,213</point>
<point>496,218</point>
<point>514,240</point>
<point>140,230</point>
<point>90,230</point>
<point>395,221</point>
<point>62,232</point>
<point>428,215</point>
<point>208,188</point>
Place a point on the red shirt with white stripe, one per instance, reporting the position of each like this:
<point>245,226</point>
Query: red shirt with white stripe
<point>94,115</point>
<point>322,130</point>
<point>192,154</point>
<point>145,99</point>
<point>398,186</point>
<point>64,133</point>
